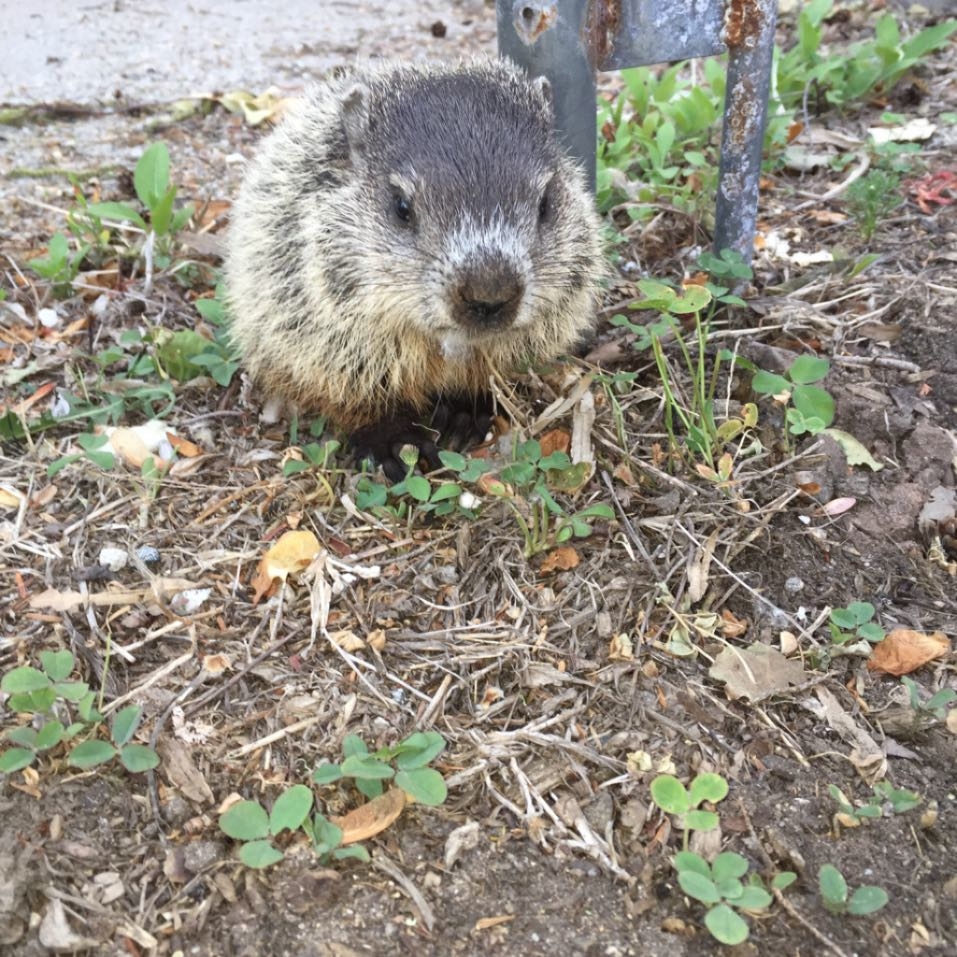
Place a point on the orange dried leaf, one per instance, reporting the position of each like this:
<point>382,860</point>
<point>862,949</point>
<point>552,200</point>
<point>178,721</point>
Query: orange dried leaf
<point>374,816</point>
<point>560,559</point>
<point>555,440</point>
<point>903,651</point>
<point>184,447</point>
<point>731,625</point>
<point>215,664</point>
<point>484,923</point>
<point>291,553</point>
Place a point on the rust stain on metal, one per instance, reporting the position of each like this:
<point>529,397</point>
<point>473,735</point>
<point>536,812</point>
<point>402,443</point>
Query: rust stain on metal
<point>743,22</point>
<point>602,21</point>
<point>532,20</point>
<point>743,116</point>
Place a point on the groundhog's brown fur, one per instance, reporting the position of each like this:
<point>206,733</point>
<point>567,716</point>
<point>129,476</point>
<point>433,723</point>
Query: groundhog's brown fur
<point>404,232</point>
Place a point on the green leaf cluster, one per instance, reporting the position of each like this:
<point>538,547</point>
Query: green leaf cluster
<point>405,762</point>
<point>248,821</point>
<point>47,694</point>
<point>855,623</point>
<point>719,885</point>
<point>691,412</point>
<point>866,899</point>
<point>59,265</point>
<point>674,798</point>
<point>811,406</point>
<point>899,800</point>
<point>836,77</point>
<point>935,707</point>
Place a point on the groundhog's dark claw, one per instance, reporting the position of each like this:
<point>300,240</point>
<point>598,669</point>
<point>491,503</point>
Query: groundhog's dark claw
<point>463,420</point>
<point>457,422</point>
<point>384,441</point>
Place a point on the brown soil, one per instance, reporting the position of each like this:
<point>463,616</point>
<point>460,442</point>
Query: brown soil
<point>548,728</point>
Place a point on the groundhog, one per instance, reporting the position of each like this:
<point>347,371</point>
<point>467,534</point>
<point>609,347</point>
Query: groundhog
<point>405,232</point>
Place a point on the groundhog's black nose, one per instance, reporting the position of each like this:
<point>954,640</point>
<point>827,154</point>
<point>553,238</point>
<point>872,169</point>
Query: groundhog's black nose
<point>488,300</point>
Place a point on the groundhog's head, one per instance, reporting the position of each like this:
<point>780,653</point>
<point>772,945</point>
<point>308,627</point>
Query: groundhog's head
<point>483,225</point>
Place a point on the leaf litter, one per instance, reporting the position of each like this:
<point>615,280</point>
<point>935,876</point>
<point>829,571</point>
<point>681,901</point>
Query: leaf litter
<point>561,690</point>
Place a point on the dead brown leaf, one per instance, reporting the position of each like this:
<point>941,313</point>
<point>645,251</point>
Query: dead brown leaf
<point>732,626</point>
<point>555,440</point>
<point>292,553</point>
<point>485,922</point>
<point>181,771</point>
<point>560,559</point>
<point>903,651</point>
<point>183,447</point>
<point>755,672</point>
<point>374,816</point>
<point>65,600</point>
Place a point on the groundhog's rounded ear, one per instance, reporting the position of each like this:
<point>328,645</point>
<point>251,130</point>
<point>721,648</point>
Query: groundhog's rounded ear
<point>543,86</point>
<point>355,117</point>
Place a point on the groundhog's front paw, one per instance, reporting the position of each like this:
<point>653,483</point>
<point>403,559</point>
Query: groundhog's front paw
<point>457,422</point>
<point>384,441</point>
<point>462,420</point>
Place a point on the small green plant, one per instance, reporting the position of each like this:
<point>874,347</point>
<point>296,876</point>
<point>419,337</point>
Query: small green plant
<point>899,800</point>
<point>153,189</point>
<point>833,78</point>
<point>717,885</point>
<point>525,485</point>
<point>811,407</point>
<point>692,411</point>
<point>834,892</point>
<point>542,520</point>
<point>935,707</point>
<point>446,498</point>
<point>855,623</point>
<point>316,455</point>
<point>64,711</point>
<point>248,821</point>
<point>660,135</point>
<point>674,798</point>
<point>405,764</point>
<point>59,266</point>
<point>872,198</point>
<point>417,494</point>
<point>720,888</point>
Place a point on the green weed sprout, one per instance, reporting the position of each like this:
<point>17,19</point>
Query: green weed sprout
<point>934,708</point>
<point>834,892</point>
<point>811,407</point>
<point>718,885</point>
<point>899,800</point>
<point>872,198</point>
<point>154,191</point>
<point>405,764</point>
<point>694,413</point>
<point>59,266</point>
<point>48,695</point>
<point>855,623</point>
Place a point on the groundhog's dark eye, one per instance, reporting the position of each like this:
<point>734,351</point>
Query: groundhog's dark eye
<point>402,208</point>
<point>543,207</point>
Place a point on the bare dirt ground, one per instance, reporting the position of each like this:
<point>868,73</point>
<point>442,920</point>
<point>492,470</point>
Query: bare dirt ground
<point>554,727</point>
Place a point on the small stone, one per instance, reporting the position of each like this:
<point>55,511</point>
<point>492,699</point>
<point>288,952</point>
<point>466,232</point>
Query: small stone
<point>200,854</point>
<point>148,554</point>
<point>113,558</point>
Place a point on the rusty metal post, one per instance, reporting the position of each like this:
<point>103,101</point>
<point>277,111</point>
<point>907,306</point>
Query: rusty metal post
<point>749,37</point>
<point>545,38</point>
<point>568,40</point>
